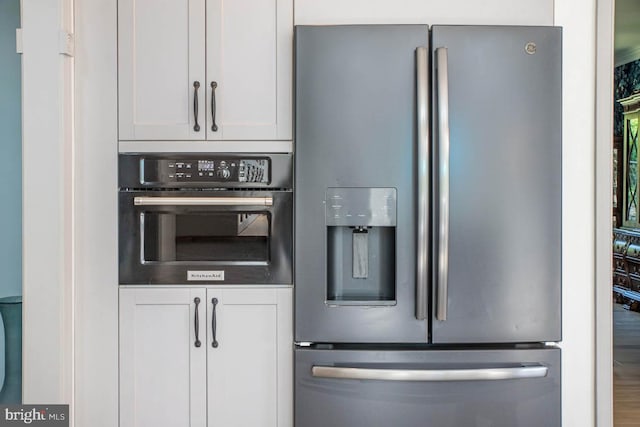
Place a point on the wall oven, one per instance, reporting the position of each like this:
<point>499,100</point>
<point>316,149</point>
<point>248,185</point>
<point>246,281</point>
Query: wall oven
<point>205,218</point>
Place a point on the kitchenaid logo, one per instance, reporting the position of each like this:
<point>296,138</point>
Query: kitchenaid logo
<point>37,415</point>
<point>205,275</point>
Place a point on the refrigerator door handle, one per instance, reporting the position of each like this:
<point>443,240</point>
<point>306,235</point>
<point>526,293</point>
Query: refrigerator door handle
<point>422,109</point>
<point>442,77</point>
<point>427,375</point>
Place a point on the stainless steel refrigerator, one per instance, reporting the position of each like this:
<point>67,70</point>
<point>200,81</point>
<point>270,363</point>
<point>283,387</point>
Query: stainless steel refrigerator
<point>427,226</point>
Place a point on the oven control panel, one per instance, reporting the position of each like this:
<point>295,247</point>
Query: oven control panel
<point>204,170</point>
<point>255,170</point>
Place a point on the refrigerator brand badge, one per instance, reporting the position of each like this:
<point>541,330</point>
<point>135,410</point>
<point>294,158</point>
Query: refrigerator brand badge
<point>530,48</point>
<point>205,275</point>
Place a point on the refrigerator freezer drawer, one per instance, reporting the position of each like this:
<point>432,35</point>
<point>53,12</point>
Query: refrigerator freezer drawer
<point>439,388</point>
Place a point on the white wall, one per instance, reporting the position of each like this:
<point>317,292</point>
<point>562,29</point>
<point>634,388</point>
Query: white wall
<point>521,12</point>
<point>96,215</point>
<point>578,374</point>
<point>603,205</point>
<point>47,201</point>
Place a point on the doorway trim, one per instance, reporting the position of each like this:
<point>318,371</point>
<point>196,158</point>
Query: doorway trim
<point>605,18</point>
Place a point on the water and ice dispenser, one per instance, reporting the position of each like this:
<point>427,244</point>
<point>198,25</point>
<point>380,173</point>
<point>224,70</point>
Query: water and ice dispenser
<point>361,246</point>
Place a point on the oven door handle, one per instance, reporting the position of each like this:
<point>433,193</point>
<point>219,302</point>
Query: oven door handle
<point>203,201</point>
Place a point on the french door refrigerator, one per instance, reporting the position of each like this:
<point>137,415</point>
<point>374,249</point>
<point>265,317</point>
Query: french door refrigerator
<point>427,226</point>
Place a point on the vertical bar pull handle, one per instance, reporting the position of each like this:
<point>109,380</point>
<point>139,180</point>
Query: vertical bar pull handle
<point>442,76</point>
<point>214,302</point>
<point>422,240</point>
<point>196,86</point>
<point>214,127</point>
<point>196,322</point>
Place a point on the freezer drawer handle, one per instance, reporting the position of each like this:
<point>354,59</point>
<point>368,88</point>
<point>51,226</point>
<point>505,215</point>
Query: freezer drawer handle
<point>196,322</point>
<point>203,201</point>
<point>490,374</point>
<point>442,76</point>
<point>422,99</point>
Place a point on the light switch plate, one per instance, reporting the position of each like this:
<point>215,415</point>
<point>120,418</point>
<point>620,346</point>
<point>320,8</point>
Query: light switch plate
<point>19,40</point>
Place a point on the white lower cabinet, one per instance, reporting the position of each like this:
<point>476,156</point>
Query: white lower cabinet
<point>234,369</point>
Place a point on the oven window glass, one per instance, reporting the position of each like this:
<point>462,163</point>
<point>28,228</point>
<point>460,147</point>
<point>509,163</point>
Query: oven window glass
<point>224,236</point>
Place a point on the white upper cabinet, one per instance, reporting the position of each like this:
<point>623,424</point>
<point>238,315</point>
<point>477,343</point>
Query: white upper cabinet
<point>161,60</point>
<point>249,57</point>
<point>239,52</point>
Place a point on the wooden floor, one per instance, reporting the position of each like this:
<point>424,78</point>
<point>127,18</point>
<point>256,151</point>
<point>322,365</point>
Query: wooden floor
<point>626,367</point>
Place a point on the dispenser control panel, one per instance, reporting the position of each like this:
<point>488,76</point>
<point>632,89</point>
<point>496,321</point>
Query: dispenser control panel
<point>373,207</point>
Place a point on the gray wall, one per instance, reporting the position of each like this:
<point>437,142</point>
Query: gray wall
<point>10,152</point>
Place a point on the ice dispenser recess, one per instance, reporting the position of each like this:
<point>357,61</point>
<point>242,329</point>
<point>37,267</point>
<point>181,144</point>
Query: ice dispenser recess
<point>361,246</point>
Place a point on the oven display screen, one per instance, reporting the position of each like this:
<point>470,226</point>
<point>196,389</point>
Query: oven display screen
<point>206,165</point>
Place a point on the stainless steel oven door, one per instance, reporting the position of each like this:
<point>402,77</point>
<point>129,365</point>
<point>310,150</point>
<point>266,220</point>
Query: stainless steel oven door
<point>199,237</point>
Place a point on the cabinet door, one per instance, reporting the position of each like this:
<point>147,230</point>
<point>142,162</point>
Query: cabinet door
<point>249,57</point>
<point>161,54</point>
<point>162,370</point>
<point>250,369</point>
